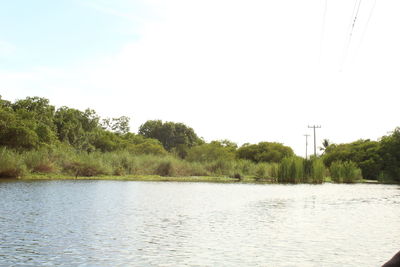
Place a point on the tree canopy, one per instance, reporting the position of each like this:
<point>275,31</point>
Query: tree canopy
<point>32,123</point>
<point>213,151</point>
<point>264,152</point>
<point>173,136</point>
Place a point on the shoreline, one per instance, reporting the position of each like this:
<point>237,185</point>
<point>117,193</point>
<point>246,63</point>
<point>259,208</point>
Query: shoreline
<point>144,178</point>
<point>158,178</point>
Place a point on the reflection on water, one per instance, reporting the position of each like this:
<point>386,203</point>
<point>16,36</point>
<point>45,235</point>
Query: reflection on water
<point>110,223</point>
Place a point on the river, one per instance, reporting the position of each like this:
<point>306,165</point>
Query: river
<point>123,223</point>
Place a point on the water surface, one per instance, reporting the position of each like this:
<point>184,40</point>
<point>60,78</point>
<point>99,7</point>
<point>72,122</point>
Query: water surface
<point>116,223</point>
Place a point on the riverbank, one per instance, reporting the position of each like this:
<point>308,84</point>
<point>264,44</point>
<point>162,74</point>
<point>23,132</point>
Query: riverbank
<point>153,178</point>
<point>158,178</point>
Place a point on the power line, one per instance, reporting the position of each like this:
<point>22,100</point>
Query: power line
<point>315,141</point>
<point>354,17</point>
<point>368,20</point>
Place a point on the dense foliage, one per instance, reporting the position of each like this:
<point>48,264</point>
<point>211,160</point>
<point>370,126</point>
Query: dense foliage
<point>33,123</point>
<point>376,159</point>
<point>365,153</point>
<point>175,137</point>
<point>35,137</point>
<point>264,152</point>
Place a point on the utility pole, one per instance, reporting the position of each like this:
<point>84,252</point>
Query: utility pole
<point>315,139</point>
<point>306,135</point>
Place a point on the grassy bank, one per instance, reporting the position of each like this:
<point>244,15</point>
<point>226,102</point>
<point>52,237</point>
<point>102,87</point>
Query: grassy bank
<point>62,163</point>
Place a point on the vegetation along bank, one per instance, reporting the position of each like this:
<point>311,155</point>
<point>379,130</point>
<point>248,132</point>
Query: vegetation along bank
<point>38,141</point>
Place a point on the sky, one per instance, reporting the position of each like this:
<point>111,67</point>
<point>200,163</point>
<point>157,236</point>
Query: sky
<point>247,71</point>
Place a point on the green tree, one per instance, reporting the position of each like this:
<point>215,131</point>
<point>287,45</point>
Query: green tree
<point>4,103</point>
<point>119,125</point>
<point>138,144</point>
<point>37,109</point>
<point>325,144</point>
<point>171,135</point>
<point>214,151</point>
<point>76,127</point>
<point>364,153</point>
<point>264,152</point>
<point>16,132</point>
<point>390,152</point>
<point>37,114</point>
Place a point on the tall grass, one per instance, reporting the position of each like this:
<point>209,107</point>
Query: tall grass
<point>66,160</point>
<point>11,164</point>
<point>298,170</point>
<point>345,172</point>
<point>291,170</point>
<point>39,161</point>
<point>88,164</point>
<point>318,171</point>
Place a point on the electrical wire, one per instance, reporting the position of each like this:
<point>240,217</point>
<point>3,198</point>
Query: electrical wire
<point>353,21</point>
<point>367,23</point>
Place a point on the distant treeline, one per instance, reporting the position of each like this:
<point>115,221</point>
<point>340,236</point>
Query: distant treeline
<point>35,137</point>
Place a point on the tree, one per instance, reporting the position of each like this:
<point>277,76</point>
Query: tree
<point>119,125</point>
<point>19,136</point>
<point>4,103</point>
<point>264,152</point>
<point>325,144</point>
<point>216,150</point>
<point>21,129</point>
<point>365,153</point>
<point>172,135</point>
<point>76,127</point>
<point>390,152</point>
<point>37,109</point>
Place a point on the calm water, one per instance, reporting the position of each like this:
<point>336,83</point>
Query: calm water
<point>110,223</point>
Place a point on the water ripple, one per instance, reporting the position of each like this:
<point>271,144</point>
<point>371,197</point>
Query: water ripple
<point>110,223</point>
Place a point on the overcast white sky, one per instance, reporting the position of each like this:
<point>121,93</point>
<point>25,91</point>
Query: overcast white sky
<point>248,71</point>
